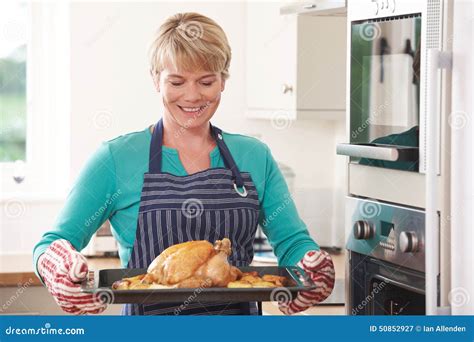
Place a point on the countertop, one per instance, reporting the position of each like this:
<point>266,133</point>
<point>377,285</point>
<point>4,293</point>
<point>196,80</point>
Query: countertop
<point>17,269</point>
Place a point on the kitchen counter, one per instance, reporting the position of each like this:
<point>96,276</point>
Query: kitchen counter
<point>21,292</point>
<point>17,269</point>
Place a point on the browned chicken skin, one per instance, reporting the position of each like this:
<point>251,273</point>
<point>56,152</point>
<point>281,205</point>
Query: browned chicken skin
<point>194,264</point>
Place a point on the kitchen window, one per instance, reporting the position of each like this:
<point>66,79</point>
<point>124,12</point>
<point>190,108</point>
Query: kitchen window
<point>13,101</point>
<point>34,99</point>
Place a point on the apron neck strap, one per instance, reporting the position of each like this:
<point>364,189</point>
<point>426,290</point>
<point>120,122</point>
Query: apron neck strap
<point>156,148</point>
<point>156,151</point>
<point>227,156</point>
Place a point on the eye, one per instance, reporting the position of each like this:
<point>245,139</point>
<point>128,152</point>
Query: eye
<point>176,84</point>
<point>207,84</point>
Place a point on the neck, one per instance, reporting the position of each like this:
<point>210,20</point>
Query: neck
<point>177,136</point>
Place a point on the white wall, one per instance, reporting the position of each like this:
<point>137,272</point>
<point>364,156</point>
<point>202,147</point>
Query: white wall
<point>110,75</point>
<point>112,94</point>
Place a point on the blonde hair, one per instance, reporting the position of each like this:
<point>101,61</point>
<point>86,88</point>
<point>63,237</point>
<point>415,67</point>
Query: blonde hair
<point>190,41</point>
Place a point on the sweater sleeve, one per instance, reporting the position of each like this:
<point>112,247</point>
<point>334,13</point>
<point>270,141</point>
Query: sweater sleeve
<point>279,219</point>
<point>88,205</point>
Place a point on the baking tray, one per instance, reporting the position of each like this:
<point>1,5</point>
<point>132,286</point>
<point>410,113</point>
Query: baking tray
<point>101,283</point>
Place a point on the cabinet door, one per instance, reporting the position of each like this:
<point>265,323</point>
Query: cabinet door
<point>321,63</point>
<point>271,58</point>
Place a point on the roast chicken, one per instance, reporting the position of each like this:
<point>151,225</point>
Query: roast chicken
<point>194,264</point>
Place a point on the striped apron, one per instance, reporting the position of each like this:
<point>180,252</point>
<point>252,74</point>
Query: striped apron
<point>208,205</point>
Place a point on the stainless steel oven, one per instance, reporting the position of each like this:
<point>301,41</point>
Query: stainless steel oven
<point>388,82</point>
<point>386,261</point>
<point>400,123</point>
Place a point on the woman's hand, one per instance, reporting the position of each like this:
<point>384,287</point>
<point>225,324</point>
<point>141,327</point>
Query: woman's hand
<point>63,269</point>
<point>320,268</point>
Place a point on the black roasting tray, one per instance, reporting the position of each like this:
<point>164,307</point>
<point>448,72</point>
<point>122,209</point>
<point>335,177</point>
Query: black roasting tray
<point>101,283</point>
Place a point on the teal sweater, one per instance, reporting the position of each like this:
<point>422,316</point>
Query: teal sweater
<point>109,187</point>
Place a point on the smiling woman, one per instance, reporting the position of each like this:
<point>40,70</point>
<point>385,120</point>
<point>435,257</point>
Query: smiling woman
<point>190,60</point>
<point>180,180</point>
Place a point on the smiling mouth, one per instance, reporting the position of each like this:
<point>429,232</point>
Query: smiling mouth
<point>194,110</point>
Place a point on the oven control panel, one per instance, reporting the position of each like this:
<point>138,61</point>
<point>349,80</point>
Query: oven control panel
<point>386,232</point>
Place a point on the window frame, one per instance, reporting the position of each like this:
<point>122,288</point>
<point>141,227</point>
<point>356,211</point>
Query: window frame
<point>47,161</point>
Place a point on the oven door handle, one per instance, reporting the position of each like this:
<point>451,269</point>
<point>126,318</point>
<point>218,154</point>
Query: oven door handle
<point>379,152</point>
<point>398,284</point>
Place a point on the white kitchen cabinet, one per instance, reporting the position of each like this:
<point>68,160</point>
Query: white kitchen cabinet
<point>295,65</point>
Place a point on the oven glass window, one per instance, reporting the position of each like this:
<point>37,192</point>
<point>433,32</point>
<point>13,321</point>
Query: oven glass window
<point>394,300</point>
<point>385,84</point>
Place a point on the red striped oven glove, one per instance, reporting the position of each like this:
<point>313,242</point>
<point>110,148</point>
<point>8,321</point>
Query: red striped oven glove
<point>63,269</point>
<point>319,266</point>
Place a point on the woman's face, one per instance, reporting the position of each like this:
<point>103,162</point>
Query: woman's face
<point>190,98</point>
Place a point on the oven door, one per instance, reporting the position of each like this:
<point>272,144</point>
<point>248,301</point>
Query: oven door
<point>395,298</point>
<point>385,92</point>
<point>377,287</point>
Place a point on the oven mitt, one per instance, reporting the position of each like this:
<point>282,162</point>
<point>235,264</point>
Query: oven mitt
<point>320,268</point>
<point>63,269</point>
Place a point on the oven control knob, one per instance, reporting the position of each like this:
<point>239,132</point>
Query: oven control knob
<point>363,230</point>
<point>408,242</point>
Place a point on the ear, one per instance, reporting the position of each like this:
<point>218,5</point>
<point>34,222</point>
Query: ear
<point>156,81</point>
<point>222,85</point>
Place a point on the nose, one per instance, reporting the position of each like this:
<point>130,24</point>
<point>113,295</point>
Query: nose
<point>192,93</point>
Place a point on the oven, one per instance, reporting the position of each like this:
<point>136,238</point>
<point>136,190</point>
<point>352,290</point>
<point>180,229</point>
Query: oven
<point>386,259</point>
<point>398,116</point>
<point>388,85</point>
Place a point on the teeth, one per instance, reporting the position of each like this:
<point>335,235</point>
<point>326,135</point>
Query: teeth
<point>193,109</point>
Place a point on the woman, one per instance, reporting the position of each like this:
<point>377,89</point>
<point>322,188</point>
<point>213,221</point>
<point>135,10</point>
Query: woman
<point>181,179</point>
